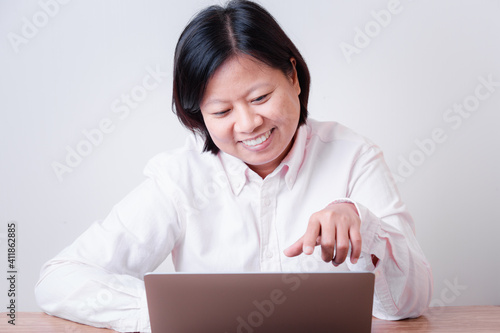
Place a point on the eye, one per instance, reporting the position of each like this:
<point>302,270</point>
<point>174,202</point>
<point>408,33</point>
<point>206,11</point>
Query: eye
<point>261,98</point>
<point>221,113</point>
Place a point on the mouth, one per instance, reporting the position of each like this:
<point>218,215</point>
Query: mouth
<point>258,140</point>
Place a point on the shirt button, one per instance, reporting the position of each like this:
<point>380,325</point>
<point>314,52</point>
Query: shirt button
<point>269,254</point>
<point>267,202</point>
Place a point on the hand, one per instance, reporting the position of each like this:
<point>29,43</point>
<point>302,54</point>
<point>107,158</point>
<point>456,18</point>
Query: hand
<point>332,228</point>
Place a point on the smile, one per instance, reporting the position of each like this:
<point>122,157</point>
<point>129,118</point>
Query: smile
<point>259,140</point>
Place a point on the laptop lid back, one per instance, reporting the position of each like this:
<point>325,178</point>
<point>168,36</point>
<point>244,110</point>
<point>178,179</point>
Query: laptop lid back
<point>260,302</point>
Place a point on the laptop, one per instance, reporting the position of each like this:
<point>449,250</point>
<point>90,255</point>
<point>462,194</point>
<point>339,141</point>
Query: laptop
<point>260,302</point>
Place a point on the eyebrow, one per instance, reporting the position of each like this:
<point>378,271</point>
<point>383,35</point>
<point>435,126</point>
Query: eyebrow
<point>248,92</point>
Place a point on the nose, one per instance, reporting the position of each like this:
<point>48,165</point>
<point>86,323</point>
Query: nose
<point>247,120</point>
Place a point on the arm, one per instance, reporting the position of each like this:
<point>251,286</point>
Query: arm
<point>374,220</point>
<point>98,280</point>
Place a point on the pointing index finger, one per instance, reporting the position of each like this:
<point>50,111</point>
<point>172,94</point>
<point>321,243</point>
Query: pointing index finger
<point>312,233</point>
<point>295,249</point>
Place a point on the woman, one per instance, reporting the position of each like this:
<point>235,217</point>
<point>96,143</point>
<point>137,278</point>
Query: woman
<point>257,186</point>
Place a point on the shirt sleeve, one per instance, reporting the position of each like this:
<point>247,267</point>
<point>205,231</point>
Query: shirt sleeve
<point>98,279</point>
<point>403,277</point>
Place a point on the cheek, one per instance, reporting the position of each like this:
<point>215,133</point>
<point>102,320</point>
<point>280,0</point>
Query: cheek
<point>289,108</point>
<point>219,131</point>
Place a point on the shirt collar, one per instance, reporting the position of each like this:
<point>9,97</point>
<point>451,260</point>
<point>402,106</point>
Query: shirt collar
<point>293,161</point>
<point>236,170</point>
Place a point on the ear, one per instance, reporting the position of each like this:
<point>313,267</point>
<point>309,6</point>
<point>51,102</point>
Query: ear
<point>294,77</point>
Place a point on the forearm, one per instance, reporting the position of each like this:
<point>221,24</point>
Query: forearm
<point>403,277</point>
<point>402,293</point>
<point>92,296</point>
<point>97,280</point>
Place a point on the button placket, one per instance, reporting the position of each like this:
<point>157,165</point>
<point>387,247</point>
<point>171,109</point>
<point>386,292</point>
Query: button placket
<point>269,246</point>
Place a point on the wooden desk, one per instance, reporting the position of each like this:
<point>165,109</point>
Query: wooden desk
<point>440,319</point>
<point>459,319</point>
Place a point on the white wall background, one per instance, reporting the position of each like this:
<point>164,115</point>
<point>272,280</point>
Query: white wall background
<point>66,75</point>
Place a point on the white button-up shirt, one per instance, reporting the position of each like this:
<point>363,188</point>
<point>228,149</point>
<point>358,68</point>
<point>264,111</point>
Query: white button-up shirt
<point>214,214</point>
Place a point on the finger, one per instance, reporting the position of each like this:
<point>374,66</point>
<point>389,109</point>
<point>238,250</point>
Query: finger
<point>311,235</point>
<point>295,249</point>
<point>355,237</point>
<point>327,241</point>
<point>342,246</point>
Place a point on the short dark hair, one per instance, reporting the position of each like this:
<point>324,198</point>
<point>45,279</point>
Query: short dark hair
<point>216,34</point>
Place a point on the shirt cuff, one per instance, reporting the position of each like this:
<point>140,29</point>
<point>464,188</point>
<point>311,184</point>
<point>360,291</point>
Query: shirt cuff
<point>370,230</point>
<point>144,326</point>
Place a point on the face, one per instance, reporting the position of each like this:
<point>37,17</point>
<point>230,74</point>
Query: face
<point>252,111</point>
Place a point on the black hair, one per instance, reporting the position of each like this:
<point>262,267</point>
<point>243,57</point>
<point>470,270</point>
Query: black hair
<point>216,34</point>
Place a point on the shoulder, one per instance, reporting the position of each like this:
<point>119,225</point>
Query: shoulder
<point>333,134</point>
<point>182,163</point>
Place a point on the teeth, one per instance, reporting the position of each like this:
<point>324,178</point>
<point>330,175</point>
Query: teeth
<point>257,141</point>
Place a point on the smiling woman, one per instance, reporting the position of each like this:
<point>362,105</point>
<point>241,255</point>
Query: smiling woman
<point>217,35</point>
<point>281,192</point>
